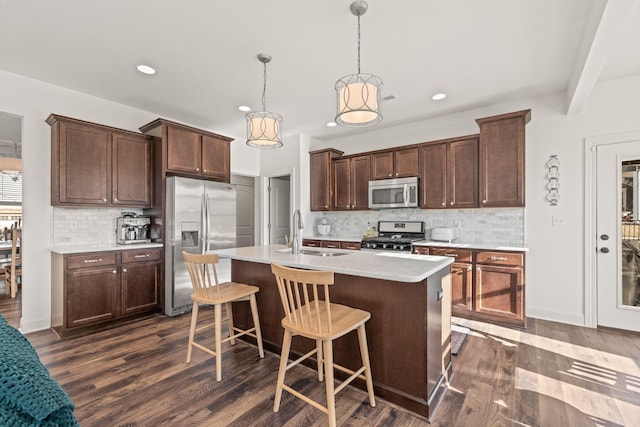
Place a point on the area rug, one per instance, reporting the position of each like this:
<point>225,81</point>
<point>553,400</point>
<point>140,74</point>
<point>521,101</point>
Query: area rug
<point>458,335</point>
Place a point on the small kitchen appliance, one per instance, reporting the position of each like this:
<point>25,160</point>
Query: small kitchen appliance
<point>442,234</point>
<point>131,228</point>
<point>395,236</point>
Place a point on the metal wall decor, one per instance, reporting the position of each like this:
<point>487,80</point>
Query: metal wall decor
<point>553,180</point>
<point>264,129</point>
<point>358,94</point>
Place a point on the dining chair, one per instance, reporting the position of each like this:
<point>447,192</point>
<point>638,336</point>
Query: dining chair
<point>309,313</point>
<point>13,272</point>
<point>207,290</point>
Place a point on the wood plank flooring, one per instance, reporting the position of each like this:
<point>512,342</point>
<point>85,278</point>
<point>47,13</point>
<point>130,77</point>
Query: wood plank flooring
<point>549,375</point>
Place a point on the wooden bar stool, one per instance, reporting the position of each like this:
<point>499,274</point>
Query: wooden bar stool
<point>13,272</point>
<point>207,290</point>
<point>309,313</point>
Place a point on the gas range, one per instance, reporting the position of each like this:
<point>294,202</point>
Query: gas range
<point>395,236</point>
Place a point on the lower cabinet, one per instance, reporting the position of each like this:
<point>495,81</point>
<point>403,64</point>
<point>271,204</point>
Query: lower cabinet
<point>331,244</point>
<point>95,288</point>
<point>485,285</point>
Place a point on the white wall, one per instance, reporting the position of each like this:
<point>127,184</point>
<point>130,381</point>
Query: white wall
<point>555,262</point>
<point>34,101</point>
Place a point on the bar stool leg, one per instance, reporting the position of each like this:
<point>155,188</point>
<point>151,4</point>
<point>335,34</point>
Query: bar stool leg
<point>192,329</point>
<point>364,352</point>
<point>256,323</point>
<point>230,323</point>
<point>218,329</point>
<point>328,373</point>
<point>320,360</point>
<point>284,358</point>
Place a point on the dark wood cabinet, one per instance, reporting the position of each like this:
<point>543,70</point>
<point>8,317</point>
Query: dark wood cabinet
<point>486,285</point>
<point>321,179</point>
<point>96,165</point>
<point>395,164</point>
<point>331,244</point>
<point>502,159</point>
<point>312,243</point>
<point>191,152</point>
<point>351,177</point>
<point>100,287</point>
<point>354,246</point>
<point>449,174</point>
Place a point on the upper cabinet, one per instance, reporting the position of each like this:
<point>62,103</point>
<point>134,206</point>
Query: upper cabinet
<point>95,165</point>
<point>395,164</point>
<point>351,177</point>
<point>321,179</point>
<point>192,152</point>
<point>502,159</point>
<point>449,174</point>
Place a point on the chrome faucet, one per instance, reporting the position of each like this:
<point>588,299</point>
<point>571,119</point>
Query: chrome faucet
<point>296,225</point>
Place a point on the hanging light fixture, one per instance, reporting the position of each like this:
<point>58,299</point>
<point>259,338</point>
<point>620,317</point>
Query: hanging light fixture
<point>359,94</point>
<point>264,129</point>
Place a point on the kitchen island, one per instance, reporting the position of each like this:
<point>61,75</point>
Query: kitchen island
<point>407,295</point>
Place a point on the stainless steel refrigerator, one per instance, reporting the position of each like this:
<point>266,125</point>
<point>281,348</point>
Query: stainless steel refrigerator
<point>200,216</point>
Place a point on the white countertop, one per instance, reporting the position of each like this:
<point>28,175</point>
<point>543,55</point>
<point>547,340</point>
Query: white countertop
<point>101,248</point>
<point>475,245</point>
<point>400,267</point>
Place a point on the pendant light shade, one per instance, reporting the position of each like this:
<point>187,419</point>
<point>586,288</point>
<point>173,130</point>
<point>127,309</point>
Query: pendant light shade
<point>358,94</point>
<point>264,129</point>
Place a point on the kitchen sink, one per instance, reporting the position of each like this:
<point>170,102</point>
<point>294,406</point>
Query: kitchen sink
<point>318,253</point>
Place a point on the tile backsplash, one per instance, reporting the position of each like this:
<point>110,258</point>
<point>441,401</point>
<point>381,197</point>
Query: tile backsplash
<point>85,226</point>
<point>486,225</point>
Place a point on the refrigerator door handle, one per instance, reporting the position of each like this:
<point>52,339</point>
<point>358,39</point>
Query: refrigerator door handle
<point>206,222</point>
<point>203,216</point>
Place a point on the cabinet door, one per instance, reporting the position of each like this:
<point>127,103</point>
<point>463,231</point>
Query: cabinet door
<point>342,184</point>
<point>463,173</point>
<point>216,158</point>
<point>502,159</point>
<point>311,243</point>
<point>320,189</point>
<point>360,177</point>
<point>91,296</point>
<point>461,287</point>
<point>131,170</point>
<point>433,176</point>
<point>499,292</point>
<point>354,246</point>
<point>140,287</point>
<point>405,163</point>
<point>84,156</point>
<point>183,150</point>
<point>382,165</point>
<point>331,244</point>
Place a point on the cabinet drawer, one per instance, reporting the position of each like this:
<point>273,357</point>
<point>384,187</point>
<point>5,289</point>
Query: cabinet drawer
<point>139,255</point>
<point>311,243</point>
<point>332,244</point>
<point>499,258</point>
<point>354,246</point>
<point>97,259</point>
<point>461,255</point>
<point>421,250</point>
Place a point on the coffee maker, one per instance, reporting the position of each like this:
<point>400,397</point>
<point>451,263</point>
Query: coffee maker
<point>131,228</point>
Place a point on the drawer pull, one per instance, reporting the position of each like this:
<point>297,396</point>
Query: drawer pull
<point>142,256</point>
<point>89,261</point>
<point>497,258</point>
<point>453,255</point>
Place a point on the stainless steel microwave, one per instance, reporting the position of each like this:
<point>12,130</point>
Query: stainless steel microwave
<point>393,193</point>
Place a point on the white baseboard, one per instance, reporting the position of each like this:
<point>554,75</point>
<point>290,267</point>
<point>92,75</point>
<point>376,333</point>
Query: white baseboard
<point>577,319</point>
<point>33,325</point>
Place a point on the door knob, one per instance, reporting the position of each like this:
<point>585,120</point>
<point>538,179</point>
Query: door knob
<point>604,237</point>
<point>604,250</point>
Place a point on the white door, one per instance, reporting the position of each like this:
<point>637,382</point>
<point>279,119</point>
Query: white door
<point>279,208</point>
<point>245,212</point>
<point>618,236</point>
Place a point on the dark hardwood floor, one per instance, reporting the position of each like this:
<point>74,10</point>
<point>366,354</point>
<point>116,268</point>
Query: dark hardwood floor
<point>552,374</point>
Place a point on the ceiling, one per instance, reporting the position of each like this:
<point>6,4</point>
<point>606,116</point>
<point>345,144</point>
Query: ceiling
<point>478,52</point>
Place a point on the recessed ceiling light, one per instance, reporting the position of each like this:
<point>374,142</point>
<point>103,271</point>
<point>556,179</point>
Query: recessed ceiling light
<point>146,69</point>
<point>331,124</point>
<point>244,108</point>
<point>439,96</point>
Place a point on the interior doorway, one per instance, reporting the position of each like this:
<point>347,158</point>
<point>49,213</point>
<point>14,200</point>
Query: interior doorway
<point>279,209</point>
<point>245,210</point>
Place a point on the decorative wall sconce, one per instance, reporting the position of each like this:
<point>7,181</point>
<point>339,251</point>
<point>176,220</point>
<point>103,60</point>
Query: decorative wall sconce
<point>553,180</point>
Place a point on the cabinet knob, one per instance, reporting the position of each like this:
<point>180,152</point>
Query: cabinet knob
<point>348,206</point>
<point>390,174</point>
<point>204,170</point>
<point>115,200</point>
<point>397,174</point>
<point>124,270</point>
<point>104,200</point>
<point>451,203</point>
<point>115,271</point>
<point>484,201</point>
<point>197,169</point>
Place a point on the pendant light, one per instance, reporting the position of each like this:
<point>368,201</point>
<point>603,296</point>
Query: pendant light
<point>358,94</point>
<point>264,129</point>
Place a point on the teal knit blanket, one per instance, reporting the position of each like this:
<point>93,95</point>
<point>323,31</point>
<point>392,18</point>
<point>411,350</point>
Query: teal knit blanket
<point>29,396</point>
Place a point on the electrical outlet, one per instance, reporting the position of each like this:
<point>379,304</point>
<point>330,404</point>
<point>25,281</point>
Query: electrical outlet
<point>558,221</point>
